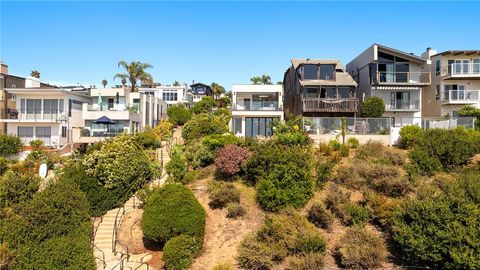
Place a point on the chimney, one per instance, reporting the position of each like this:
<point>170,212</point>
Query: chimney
<point>429,52</point>
<point>32,82</point>
<point>4,69</point>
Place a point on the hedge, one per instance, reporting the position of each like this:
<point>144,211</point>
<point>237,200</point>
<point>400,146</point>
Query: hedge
<point>171,211</point>
<point>9,145</point>
<point>178,252</point>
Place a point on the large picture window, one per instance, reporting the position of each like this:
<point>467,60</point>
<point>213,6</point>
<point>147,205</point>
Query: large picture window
<point>259,126</point>
<point>309,72</point>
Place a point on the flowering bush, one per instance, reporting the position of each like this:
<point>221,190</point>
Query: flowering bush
<point>231,158</point>
<point>164,130</point>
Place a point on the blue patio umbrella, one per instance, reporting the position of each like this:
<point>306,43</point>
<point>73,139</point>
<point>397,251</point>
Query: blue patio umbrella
<point>104,120</point>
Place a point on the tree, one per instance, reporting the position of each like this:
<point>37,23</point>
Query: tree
<point>203,106</point>
<point>124,82</point>
<point>104,83</point>
<point>178,114</point>
<point>372,107</point>
<point>176,83</point>
<point>256,80</point>
<point>9,145</point>
<point>135,73</point>
<point>217,89</point>
<point>280,82</point>
<point>266,79</point>
<point>204,124</point>
<point>35,74</point>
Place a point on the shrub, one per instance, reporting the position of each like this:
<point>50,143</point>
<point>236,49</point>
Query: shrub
<point>381,207</point>
<point>372,107</point>
<point>221,193</point>
<point>234,210</point>
<point>216,141</point>
<point>176,167</point>
<point>258,255</point>
<point>325,148</point>
<point>16,188</point>
<point>203,106</point>
<point>335,145</point>
<point>344,150</point>
<point>36,145</point>
<point>171,211</point>
<point>204,124</point>
<point>222,266</point>
<point>335,198</point>
<point>163,130</point>
<point>231,159</point>
<point>108,164</point>
<point>354,214</point>
<point>452,148</point>
<point>324,172</point>
<point>289,133</point>
<point>362,249</point>
<point>410,135</point>
<point>190,176</point>
<point>3,165</point>
<point>376,152</point>
<point>148,139</point>
<point>179,251</point>
<point>178,114</point>
<point>9,145</point>
<point>55,223</point>
<point>198,155</point>
<point>308,261</point>
<point>440,227</point>
<point>320,216</point>
<point>353,142</point>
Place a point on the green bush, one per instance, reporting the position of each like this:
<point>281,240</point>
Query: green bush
<point>179,252</point>
<point>325,149</point>
<point>376,152</point>
<point>440,227</point>
<point>344,150</point>
<point>309,261</point>
<point>320,216</point>
<point>222,266</point>
<point>335,145</point>
<point>372,107</point>
<point>217,141</point>
<point>190,176</point>
<point>198,155</point>
<point>290,133</point>
<point>204,124</point>
<point>353,142</point>
<point>335,198</point>
<point>51,231</point>
<point>410,136</point>
<point>288,233</point>
<point>148,139</point>
<point>234,210</point>
<point>221,193</point>
<point>176,167</point>
<point>3,165</point>
<point>112,164</point>
<point>452,148</point>
<point>16,188</point>
<point>203,106</point>
<point>323,173</point>
<point>171,211</point>
<point>283,174</point>
<point>471,111</point>
<point>178,114</point>
<point>360,248</point>
<point>9,145</point>
<point>354,214</point>
<point>100,198</point>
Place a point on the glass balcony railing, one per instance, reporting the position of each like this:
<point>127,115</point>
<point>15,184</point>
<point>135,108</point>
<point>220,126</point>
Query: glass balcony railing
<point>258,106</point>
<point>461,96</point>
<point>34,114</point>
<point>403,105</point>
<point>470,68</point>
<point>403,77</point>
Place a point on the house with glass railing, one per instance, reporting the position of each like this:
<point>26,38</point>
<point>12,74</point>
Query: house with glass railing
<point>44,113</point>
<point>319,88</point>
<point>117,110</point>
<point>455,82</point>
<point>171,94</point>
<point>397,77</point>
<point>255,108</point>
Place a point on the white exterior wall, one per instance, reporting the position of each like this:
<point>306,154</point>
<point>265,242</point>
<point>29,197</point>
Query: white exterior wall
<point>181,91</point>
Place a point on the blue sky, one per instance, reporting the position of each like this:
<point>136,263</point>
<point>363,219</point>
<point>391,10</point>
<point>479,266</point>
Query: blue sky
<point>225,42</point>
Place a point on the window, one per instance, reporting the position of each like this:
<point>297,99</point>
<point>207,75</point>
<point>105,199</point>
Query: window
<point>237,125</point>
<point>70,107</point>
<point>309,72</point>
<point>110,103</point>
<point>64,132</point>
<point>400,100</point>
<point>437,92</point>
<point>14,97</point>
<point>343,92</point>
<point>331,92</point>
<point>25,132</point>
<point>476,66</point>
<point>327,72</point>
<point>169,96</point>
<point>437,67</point>
<point>454,92</point>
<point>259,126</point>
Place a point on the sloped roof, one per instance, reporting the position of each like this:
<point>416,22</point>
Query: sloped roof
<point>457,52</point>
<point>407,55</point>
<point>342,79</point>
<point>297,62</point>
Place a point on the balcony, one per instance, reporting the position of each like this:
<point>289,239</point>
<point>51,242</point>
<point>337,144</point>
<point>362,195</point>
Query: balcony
<point>33,115</point>
<point>403,78</point>
<point>115,112</point>
<point>330,104</point>
<point>463,70</point>
<point>403,105</point>
<point>258,106</point>
<point>461,96</point>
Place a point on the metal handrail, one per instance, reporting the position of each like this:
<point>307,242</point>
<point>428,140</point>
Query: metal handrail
<point>92,241</point>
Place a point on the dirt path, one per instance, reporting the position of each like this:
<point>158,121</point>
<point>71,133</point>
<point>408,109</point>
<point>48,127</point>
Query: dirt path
<point>223,235</point>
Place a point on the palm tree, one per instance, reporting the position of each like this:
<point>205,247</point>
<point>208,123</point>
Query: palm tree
<point>279,82</point>
<point>217,89</point>
<point>256,80</point>
<point>176,83</point>
<point>135,73</point>
<point>104,83</point>
<point>266,79</point>
<point>124,82</point>
<point>35,74</point>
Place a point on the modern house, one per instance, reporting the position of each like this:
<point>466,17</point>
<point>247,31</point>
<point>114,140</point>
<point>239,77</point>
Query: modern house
<point>455,82</point>
<point>255,108</point>
<point>200,90</point>
<point>318,88</point>
<point>395,76</point>
<point>170,94</point>
<point>117,110</point>
<point>45,113</point>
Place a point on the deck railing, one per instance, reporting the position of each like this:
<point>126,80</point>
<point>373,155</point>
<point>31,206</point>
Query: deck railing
<point>385,77</point>
<point>469,68</point>
<point>330,104</point>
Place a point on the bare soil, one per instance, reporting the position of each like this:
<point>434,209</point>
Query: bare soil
<point>222,234</point>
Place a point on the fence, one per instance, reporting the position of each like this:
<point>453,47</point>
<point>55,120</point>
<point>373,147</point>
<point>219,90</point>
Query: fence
<point>437,122</point>
<point>354,125</point>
